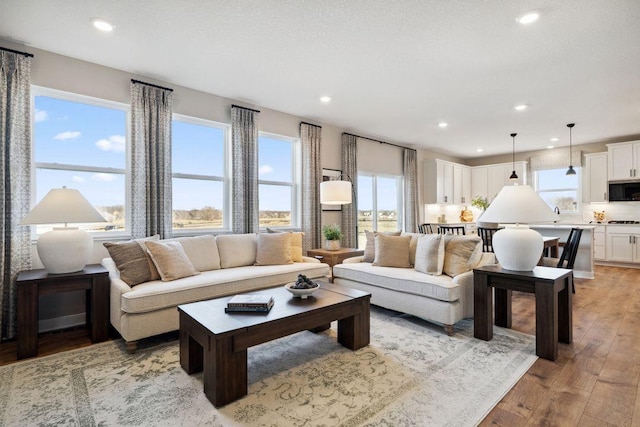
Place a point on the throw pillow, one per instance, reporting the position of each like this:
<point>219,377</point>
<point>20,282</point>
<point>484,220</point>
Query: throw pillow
<point>430,254</point>
<point>413,245</point>
<point>392,251</point>
<point>370,247</point>
<point>237,250</point>
<point>274,249</point>
<point>171,260</point>
<point>461,253</point>
<point>131,261</point>
<point>296,243</point>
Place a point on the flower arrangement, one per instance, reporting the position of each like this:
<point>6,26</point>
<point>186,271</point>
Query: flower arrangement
<point>332,232</point>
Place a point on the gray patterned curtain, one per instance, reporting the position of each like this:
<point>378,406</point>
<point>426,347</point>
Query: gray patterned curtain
<point>311,137</point>
<point>15,170</point>
<point>350,212</point>
<point>411,213</point>
<point>244,159</point>
<point>151,113</point>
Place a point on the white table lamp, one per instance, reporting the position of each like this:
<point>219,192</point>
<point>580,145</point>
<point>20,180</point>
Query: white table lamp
<point>335,192</point>
<point>517,247</point>
<point>64,249</point>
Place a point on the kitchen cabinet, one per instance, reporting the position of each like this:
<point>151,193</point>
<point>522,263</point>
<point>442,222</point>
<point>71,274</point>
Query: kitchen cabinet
<point>624,160</point>
<point>491,178</point>
<point>595,182</point>
<point>447,182</point>
<point>623,243</point>
<point>599,244</point>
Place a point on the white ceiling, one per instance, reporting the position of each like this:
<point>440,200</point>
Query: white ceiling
<point>394,69</point>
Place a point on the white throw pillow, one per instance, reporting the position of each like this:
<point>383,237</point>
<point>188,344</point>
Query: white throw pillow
<point>170,260</point>
<point>237,250</point>
<point>202,251</point>
<point>370,247</point>
<point>430,254</point>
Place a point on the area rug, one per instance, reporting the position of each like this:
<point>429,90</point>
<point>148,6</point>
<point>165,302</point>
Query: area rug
<point>411,374</point>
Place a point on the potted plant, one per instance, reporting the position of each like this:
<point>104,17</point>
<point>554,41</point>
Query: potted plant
<point>482,203</point>
<point>332,235</point>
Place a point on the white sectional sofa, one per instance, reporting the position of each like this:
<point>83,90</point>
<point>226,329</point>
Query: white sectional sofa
<point>438,298</point>
<point>223,266</point>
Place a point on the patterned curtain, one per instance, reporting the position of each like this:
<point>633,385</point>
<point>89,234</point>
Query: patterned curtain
<point>151,209</point>
<point>15,170</point>
<point>311,137</point>
<point>350,212</point>
<point>411,212</point>
<point>556,159</point>
<point>244,159</point>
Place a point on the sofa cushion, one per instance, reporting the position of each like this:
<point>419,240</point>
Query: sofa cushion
<point>405,280</point>
<point>461,253</point>
<point>430,254</point>
<point>370,247</point>
<point>296,243</point>
<point>170,260</point>
<point>392,251</point>
<point>131,261</point>
<point>273,249</point>
<point>202,251</point>
<point>237,250</point>
<point>413,245</point>
<point>156,295</point>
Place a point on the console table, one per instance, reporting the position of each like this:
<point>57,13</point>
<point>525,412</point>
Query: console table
<point>31,284</point>
<point>552,288</point>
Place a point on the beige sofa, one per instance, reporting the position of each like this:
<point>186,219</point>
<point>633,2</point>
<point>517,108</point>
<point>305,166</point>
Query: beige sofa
<point>438,298</point>
<point>225,266</point>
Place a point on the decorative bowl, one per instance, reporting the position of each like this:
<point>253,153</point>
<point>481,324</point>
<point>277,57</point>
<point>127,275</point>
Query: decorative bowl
<point>301,293</point>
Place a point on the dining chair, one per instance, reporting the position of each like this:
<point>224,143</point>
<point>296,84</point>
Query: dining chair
<point>486,234</point>
<point>451,229</point>
<point>569,253</point>
<point>425,228</point>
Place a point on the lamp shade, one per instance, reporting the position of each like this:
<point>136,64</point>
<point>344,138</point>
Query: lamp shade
<point>64,249</point>
<point>63,206</point>
<point>517,247</point>
<point>335,192</point>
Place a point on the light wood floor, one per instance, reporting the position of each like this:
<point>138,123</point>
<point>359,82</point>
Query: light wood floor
<point>594,382</point>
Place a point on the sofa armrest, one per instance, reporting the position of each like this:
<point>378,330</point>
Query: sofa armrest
<point>310,259</point>
<point>353,260</point>
<point>486,259</point>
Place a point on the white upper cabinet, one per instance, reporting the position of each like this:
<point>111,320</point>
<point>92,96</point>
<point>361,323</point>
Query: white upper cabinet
<point>594,178</point>
<point>624,160</point>
<point>479,181</point>
<point>487,181</point>
<point>446,182</point>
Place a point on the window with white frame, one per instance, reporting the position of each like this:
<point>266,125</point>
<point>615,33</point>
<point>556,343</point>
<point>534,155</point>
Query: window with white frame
<point>277,177</point>
<point>558,189</point>
<point>80,142</point>
<point>199,159</point>
<point>380,204</point>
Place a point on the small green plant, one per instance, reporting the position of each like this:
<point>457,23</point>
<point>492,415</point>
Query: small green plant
<point>480,202</point>
<point>332,232</point>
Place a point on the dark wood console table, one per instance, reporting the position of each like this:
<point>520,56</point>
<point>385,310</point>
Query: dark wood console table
<point>31,284</point>
<point>552,288</point>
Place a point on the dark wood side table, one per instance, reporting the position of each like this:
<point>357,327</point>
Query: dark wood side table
<point>334,257</point>
<point>552,288</point>
<point>31,284</point>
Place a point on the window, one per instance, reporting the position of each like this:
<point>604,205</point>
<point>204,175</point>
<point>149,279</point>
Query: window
<point>199,165</point>
<point>80,143</point>
<point>379,204</point>
<point>277,175</point>
<point>558,189</point>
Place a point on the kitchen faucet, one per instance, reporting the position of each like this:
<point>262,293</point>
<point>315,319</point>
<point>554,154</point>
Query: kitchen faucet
<point>556,210</point>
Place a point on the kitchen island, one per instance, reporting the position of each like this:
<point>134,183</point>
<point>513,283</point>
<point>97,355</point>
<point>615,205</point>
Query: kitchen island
<point>583,266</point>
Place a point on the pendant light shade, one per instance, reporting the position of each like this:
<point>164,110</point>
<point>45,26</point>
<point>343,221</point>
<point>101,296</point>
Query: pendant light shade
<point>570,171</point>
<point>514,175</point>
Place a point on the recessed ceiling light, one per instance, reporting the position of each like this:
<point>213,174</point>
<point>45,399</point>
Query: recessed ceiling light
<point>520,107</point>
<point>102,25</point>
<point>443,124</point>
<point>554,139</point>
<point>550,146</point>
<point>528,18</point>
<point>325,99</point>
<point>479,150</point>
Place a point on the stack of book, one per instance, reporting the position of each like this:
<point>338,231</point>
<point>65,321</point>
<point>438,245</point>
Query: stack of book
<point>249,303</point>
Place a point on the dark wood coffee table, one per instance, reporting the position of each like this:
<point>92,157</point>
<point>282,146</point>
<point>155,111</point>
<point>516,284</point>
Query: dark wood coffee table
<point>218,342</point>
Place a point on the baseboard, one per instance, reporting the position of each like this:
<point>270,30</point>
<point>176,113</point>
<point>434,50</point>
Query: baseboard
<point>583,274</point>
<point>63,322</point>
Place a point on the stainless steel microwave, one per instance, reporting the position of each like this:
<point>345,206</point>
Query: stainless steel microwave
<point>624,191</point>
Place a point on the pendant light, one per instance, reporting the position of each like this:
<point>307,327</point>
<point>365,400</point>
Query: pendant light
<point>514,175</point>
<point>570,171</point>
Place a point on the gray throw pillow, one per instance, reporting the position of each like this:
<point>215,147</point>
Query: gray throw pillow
<point>131,261</point>
<point>430,254</point>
